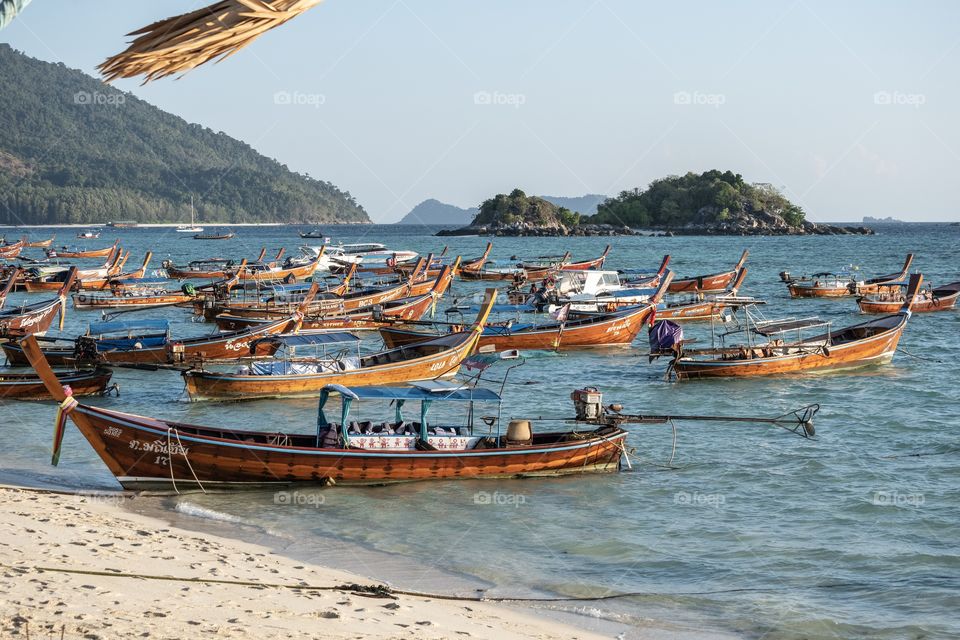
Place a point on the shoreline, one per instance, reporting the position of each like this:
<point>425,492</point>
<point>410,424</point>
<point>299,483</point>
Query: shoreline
<point>93,532</point>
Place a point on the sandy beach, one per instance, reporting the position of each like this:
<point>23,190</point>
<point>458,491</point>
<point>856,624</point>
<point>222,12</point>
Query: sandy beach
<point>73,566</point>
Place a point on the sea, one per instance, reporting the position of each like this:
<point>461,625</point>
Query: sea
<point>718,529</point>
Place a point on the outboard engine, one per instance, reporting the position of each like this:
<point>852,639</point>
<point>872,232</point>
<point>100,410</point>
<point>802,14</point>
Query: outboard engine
<point>588,403</point>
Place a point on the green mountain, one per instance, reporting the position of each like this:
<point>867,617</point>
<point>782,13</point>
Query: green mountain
<point>713,198</point>
<point>74,150</point>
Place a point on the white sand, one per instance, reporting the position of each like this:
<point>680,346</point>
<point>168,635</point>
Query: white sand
<point>89,533</point>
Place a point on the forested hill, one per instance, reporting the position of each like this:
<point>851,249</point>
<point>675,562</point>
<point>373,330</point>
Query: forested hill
<point>74,150</point>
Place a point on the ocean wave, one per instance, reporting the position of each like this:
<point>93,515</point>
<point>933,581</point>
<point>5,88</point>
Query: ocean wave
<point>196,511</point>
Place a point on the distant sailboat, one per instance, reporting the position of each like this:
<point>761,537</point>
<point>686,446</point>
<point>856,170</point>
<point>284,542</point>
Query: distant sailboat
<point>192,227</point>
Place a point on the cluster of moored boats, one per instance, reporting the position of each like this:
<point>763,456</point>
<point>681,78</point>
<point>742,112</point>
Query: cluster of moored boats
<point>300,326</point>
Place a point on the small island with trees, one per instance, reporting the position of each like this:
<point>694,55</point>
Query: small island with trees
<point>710,203</point>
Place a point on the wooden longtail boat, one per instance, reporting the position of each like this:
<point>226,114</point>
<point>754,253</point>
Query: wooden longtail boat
<point>11,251</point>
<point>96,284</point>
<point>636,278</point>
<point>705,307</point>
<point>713,283</point>
<point>130,299</point>
<point>149,453</point>
<point>586,265</point>
<point>614,329</point>
<point>519,271</point>
<point>37,317</point>
<point>867,343</point>
<point>372,317</point>
<point>216,268</point>
<point>39,244</point>
<point>278,272</point>
<point>65,252</point>
<point>828,285</point>
<point>330,302</point>
<point>941,298</point>
<point>29,386</point>
<point>54,281</point>
<point>427,360</point>
<point>223,346</point>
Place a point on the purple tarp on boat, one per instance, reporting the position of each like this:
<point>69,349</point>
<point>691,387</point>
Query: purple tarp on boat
<point>663,336</point>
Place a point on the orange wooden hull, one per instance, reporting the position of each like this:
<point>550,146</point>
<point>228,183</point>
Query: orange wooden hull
<point>93,253</point>
<point>811,291</point>
<point>300,273</point>
<point>28,386</point>
<point>696,311</point>
<point>89,302</point>
<point>877,349</point>
<point>142,454</point>
<point>922,304</point>
<point>35,318</point>
<point>714,283</point>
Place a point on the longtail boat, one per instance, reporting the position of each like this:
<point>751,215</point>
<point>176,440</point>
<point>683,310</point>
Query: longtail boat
<point>890,298</point>
<point>52,281</point>
<point>712,283</point>
<point>328,302</point>
<point>39,244</point>
<point>427,360</point>
<point>29,386</point>
<point>614,329</point>
<point>135,293</point>
<point>520,271</point>
<point>287,271</point>
<point>38,316</point>
<point>66,252</point>
<point>644,278</point>
<point>371,317</point>
<point>596,263</point>
<point>702,307</point>
<point>215,268</point>
<point>150,453</point>
<point>93,284</point>
<point>11,251</point>
<point>867,343</point>
<point>830,285</point>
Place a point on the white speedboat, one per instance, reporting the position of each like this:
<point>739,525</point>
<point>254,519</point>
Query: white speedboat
<point>368,254</point>
<point>598,290</point>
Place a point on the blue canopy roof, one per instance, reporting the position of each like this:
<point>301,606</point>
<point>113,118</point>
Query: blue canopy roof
<point>441,393</point>
<point>97,328</point>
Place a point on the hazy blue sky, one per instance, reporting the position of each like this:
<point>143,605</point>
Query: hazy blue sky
<point>850,107</point>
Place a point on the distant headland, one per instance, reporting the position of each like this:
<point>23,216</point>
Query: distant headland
<point>888,220</point>
<point>710,203</point>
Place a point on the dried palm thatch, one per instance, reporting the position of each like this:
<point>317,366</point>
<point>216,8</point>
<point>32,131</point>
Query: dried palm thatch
<point>180,43</point>
<point>9,10</point>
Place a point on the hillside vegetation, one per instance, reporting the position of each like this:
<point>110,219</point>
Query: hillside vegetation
<point>73,150</point>
<point>709,198</point>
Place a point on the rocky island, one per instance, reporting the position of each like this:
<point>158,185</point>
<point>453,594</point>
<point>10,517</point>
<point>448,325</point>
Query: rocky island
<point>710,203</point>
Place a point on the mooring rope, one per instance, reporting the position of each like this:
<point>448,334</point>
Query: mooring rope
<point>384,591</point>
<point>913,355</point>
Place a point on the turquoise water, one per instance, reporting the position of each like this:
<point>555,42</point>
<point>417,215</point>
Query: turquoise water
<point>753,532</point>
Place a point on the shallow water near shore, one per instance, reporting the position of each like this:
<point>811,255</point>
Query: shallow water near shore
<point>754,532</point>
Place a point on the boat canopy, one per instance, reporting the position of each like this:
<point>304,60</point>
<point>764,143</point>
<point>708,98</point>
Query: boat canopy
<point>774,327</point>
<point>303,339</point>
<point>426,393</point>
<point>435,391</point>
<point>116,326</point>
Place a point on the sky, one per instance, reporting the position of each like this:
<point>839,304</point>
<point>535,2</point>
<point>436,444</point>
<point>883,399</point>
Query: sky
<point>848,107</point>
